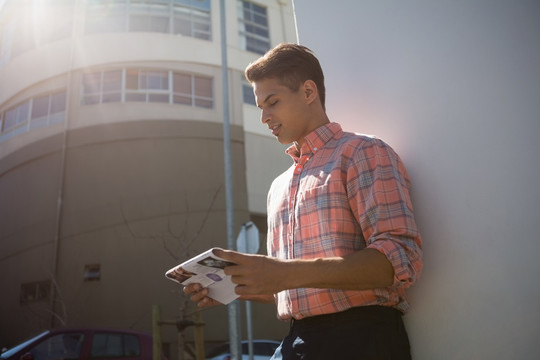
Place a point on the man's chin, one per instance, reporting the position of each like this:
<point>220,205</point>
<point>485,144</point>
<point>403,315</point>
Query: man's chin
<point>284,141</point>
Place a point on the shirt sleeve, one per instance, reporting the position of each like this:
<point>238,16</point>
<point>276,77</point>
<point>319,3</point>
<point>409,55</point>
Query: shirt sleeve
<point>378,191</point>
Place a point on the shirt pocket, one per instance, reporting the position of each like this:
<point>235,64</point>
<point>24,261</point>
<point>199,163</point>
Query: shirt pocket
<point>325,224</point>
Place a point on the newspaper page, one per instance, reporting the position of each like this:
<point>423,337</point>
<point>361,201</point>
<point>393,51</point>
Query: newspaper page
<point>207,270</point>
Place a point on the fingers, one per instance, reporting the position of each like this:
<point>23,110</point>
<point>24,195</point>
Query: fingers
<point>229,255</point>
<point>199,295</point>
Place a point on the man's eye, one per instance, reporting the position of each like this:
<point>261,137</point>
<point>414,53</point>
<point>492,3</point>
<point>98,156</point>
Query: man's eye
<point>273,103</point>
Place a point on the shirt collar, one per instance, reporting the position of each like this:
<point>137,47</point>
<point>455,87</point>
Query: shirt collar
<point>315,140</point>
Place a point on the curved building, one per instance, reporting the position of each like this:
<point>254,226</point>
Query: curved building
<point>111,156</point>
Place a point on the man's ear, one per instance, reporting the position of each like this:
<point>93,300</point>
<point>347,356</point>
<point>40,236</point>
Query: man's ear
<point>310,91</point>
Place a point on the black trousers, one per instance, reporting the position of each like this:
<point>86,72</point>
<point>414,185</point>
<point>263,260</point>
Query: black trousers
<point>363,333</point>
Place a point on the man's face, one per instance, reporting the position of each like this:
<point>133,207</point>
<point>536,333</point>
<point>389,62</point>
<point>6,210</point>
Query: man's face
<point>286,113</point>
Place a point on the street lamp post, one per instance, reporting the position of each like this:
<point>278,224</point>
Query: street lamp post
<point>233,308</point>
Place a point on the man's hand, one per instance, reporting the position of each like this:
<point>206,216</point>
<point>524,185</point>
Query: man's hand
<point>256,276</point>
<point>259,277</point>
<point>199,295</point>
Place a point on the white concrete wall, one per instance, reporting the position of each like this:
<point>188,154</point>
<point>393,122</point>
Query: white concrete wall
<point>454,86</point>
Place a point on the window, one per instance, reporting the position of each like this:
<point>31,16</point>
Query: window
<point>16,116</point>
<point>193,90</point>
<point>115,345</point>
<point>203,92</point>
<point>179,17</point>
<point>48,110</point>
<point>182,89</point>
<point>253,25</point>
<point>147,86</point>
<point>35,291</point>
<point>137,85</point>
<point>192,18</point>
<point>103,16</point>
<point>91,87</point>
<point>247,93</point>
<point>149,16</point>
<point>102,87</point>
<point>61,346</point>
<point>112,86</point>
<point>36,112</point>
<point>92,272</point>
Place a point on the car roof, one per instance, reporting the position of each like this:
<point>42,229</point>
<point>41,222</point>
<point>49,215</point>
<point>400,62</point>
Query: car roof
<point>97,329</point>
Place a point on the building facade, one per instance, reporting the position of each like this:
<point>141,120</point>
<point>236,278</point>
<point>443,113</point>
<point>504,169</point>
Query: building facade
<point>111,156</point>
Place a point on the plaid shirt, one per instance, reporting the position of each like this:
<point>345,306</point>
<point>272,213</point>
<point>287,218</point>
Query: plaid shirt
<point>344,192</point>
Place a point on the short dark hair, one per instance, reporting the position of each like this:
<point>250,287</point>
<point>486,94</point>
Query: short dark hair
<point>291,65</point>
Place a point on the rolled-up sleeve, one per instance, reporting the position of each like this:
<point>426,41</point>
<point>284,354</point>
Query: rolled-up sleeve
<point>378,189</point>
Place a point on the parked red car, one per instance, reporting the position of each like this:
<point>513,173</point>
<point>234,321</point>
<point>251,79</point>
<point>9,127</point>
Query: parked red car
<point>83,343</point>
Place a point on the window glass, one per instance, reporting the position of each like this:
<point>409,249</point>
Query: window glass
<point>138,23</point>
<point>91,99</point>
<point>159,24</point>
<point>182,26</point>
<point>132,79</point>
<point>104,16</point>
<point>154,80</point>
<point>182,83</point>
<point>247,94</point>
<point>23,112</point>
<point>58,103</point>
<point>34,291</point>
<point>112,80</point>
<point>192,18</point>
<point>60,346</point>
<point>16,115</point>
<point>203,87</point>
<point>132,346</point>
<point>34,113</point>
<point>201,4</point>
<point>112,86</point>
<point>106,345</point>
<point>91,83</point>
<point>115,345</point>
<point>182,89</point>
<point>147,86</point>
<point>253,26</point>
<point>40,107</point>
<point>150,16</point>
<point>10,119</point>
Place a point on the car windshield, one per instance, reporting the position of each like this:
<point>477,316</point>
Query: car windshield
<point>13,350</point>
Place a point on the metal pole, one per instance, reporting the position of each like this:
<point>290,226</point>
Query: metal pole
<point>234,336</point>
<point>295,24</point>
<point>156,332</point>
<point>62,178</point>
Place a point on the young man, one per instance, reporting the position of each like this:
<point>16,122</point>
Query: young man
<point>342,240</point>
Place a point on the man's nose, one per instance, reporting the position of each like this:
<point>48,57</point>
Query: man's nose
<point>265,116</point>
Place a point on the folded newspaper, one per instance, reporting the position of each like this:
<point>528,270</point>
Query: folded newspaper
<point>207,270</point>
